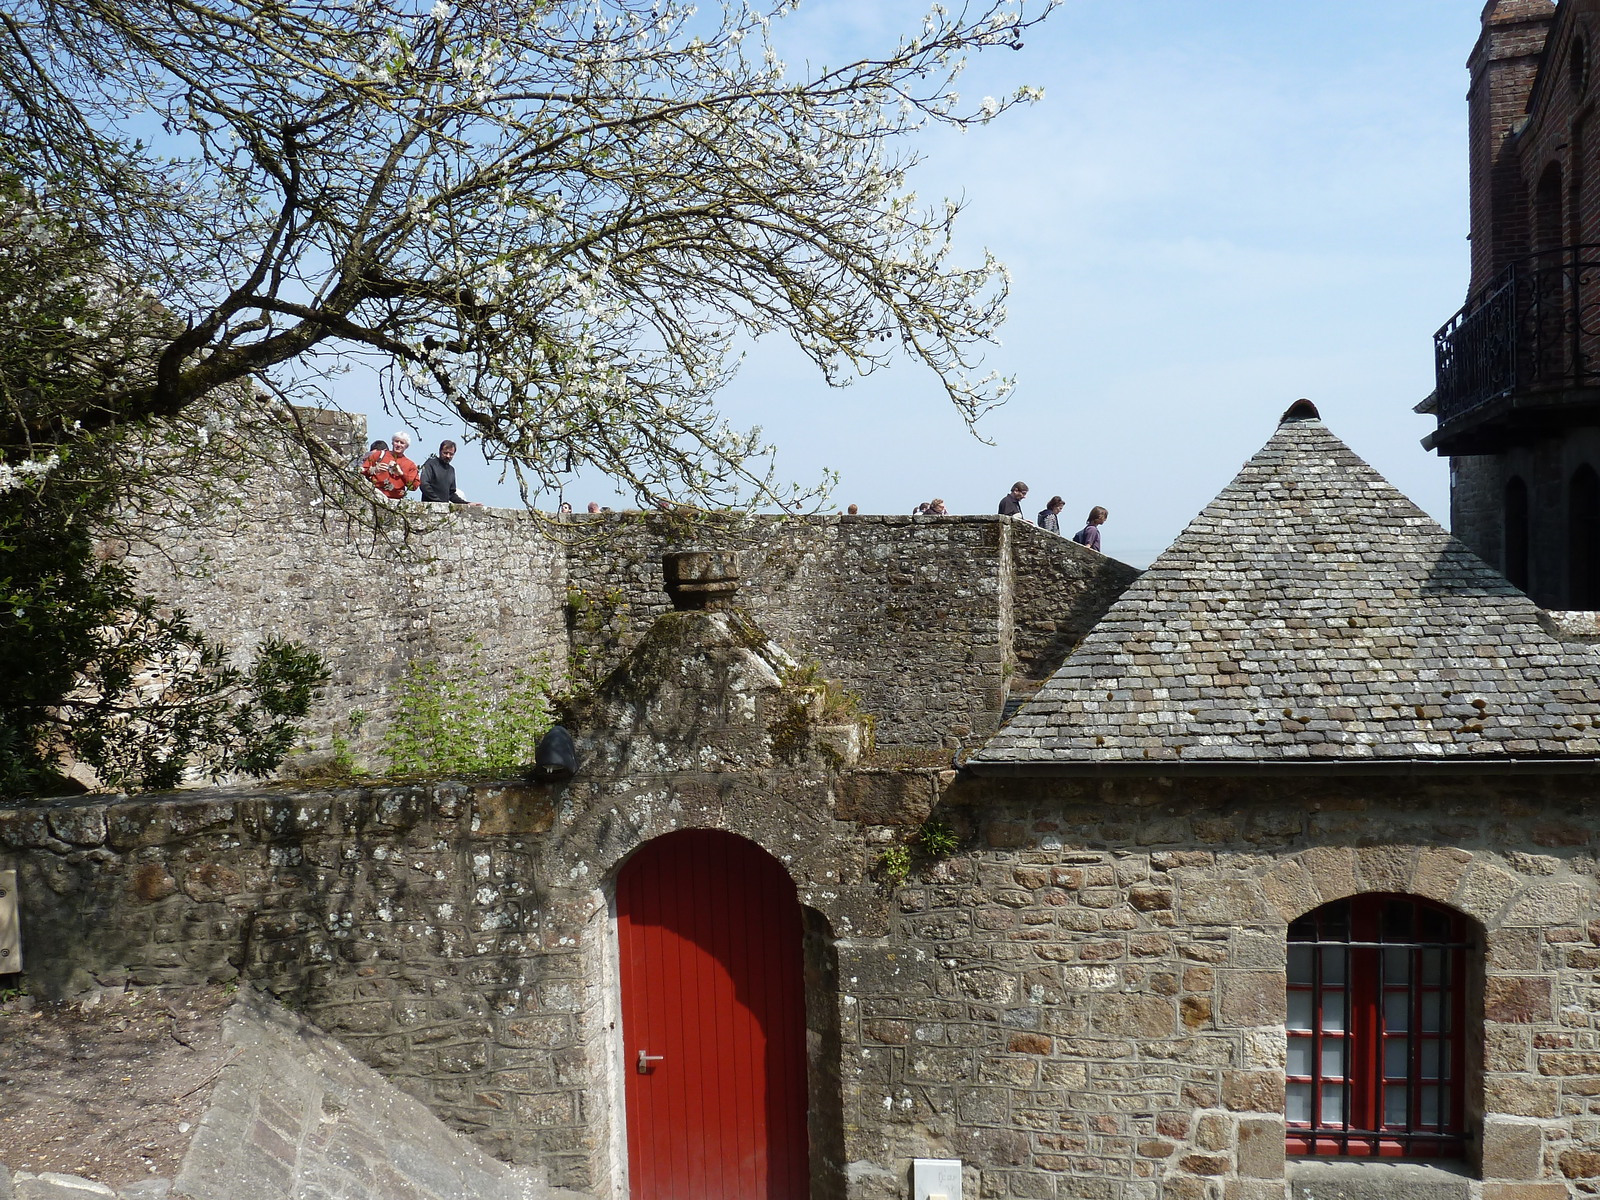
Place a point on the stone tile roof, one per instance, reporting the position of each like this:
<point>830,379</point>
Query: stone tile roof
<point>1312,612</point>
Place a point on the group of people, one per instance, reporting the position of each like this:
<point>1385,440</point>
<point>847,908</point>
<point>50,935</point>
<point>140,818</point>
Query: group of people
<point>393,474</point>
<point>1050,515</point>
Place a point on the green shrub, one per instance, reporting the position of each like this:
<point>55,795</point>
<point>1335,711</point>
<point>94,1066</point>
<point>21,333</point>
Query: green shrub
<point>454,723</point>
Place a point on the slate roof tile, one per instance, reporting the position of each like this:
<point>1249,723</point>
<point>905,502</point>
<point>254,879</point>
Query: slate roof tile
<point>1312,611</point>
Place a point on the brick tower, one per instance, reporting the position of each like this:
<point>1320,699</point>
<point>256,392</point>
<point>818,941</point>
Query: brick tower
<point>1518,368</point>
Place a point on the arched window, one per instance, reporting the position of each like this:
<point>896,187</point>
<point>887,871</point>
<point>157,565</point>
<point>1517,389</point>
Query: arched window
<point>1377,1029</point>
<point>1578,66</point>
<point>1583,540</point>
<point>1547,222</point>
<point>1516,532</point>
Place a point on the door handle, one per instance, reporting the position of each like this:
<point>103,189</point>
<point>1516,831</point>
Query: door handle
<point>646,1059</point>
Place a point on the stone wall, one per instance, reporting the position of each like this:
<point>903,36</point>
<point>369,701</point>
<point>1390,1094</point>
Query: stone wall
<point>423,586</point>
<point>1105,995</point>
<point>292,1114</point>
<point>910,613</point>
<point>1087,1000</point>
<point>1059,591</point>
<point>914,615</point>
<point>1546,466</point>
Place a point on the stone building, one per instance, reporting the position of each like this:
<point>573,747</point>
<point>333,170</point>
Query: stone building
<point>1282,886</point>
<point>1286,880</point>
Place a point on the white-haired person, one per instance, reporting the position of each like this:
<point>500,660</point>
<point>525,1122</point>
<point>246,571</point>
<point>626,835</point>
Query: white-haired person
<point>391,472</point>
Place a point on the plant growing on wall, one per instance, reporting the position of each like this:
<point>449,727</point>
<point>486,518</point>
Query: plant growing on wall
<point>597,627</point>
<point>894,865</point>
<point>465,721</point>
<point>932,841</point>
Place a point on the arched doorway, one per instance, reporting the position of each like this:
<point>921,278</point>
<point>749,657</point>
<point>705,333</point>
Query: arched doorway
<point>711,966</point>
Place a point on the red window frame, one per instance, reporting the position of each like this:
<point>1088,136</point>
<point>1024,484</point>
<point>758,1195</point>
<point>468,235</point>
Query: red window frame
<point>1376,1031</point>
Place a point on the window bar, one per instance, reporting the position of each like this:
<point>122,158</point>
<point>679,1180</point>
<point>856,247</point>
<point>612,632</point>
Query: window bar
<point>1406,945</point>
<point>1414,1039</point>
<point>1317,1121</point>
<point>1349,1042</point>
<point>1364,1126</point>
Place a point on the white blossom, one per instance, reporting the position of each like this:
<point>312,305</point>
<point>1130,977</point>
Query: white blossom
<point>26,471</point>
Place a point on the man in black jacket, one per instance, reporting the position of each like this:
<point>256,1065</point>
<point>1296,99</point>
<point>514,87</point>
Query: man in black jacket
<point>439,478</point>
<point>1010,503</point>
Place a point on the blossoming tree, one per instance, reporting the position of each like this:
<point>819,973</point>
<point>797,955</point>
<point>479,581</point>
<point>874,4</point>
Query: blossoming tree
<point>551,220</point>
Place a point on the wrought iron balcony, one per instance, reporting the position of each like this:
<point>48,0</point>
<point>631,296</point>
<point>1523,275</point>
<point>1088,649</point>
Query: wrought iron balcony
<point>1529,340</point>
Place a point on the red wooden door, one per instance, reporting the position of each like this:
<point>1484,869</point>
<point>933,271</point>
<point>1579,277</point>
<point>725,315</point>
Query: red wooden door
<point>709,933</point>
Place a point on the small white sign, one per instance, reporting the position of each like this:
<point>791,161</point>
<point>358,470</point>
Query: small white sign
<point>10,926</point>
<point>936,1179</point>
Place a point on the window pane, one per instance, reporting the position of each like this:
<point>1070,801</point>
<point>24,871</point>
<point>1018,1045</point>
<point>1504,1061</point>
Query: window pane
<point>1298,1109</point>
<point>1430,1060</point>
<point>1433,966</point>
<point>1333,1058</point>
<point>1396,1012</point>
<point>1370,1047</point>
<point>1394,1105</point>
<point>1335,920</point>
<point>1333,1011</point>
<point>1396,967</point>
<point>1300,1010</point>
<point>1397,916</point>
<point>1394,1058</point>
<point>1435,926</point>
<point>1299,1056</point>
<point>1430,1104</point>
<point>1333,1104</point>
<point>1431,1008</point>
<point>1300,964</point>
<point>1333,966</point>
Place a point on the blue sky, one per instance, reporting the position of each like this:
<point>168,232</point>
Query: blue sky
<point>1215,210</point>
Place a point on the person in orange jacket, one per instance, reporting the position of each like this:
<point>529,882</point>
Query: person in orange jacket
<point>390,471</point>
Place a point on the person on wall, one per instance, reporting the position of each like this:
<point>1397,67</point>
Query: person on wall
<point>1089,535</point>
<point>1050,514</point>
<point>438,478</point>
<point>1011,502</point>
<point>391,472</point>
<point>375,453</point>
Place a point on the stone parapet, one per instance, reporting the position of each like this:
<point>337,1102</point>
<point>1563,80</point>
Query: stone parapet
<point>924,618</point>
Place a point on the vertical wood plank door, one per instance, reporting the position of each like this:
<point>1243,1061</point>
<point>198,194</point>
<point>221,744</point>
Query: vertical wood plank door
<point>709,940</point>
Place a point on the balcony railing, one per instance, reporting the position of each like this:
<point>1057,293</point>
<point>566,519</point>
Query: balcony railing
<point>1536,328</point>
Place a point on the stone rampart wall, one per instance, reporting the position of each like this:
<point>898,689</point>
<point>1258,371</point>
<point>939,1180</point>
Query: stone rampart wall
<point>923,618</point>
<point>429,587</point>
<point>1059,591</point>
<point>1086,1000</point>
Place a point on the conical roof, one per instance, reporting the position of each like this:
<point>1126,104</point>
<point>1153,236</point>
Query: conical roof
<point>1312,612</point>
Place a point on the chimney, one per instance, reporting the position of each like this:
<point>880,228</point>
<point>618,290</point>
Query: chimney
<point>1503,65</point>
<point>701,578</point>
